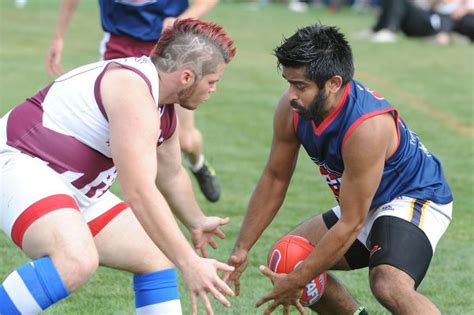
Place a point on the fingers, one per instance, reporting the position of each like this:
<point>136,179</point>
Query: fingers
<point>204,252</point>
<point>220,297</point>
<point>270,309</point>
<point>237,286</point>
<point>222,266</point>
<point>286,310</point>
<point>213,243</point>
<point>219,234</point>
<point>193,304</point>
<point>207,304</point>
<point>267,272</point>
<point>225,220</point>
<point>264,299</point>
<point>300,308</point>
<point>223,287</point>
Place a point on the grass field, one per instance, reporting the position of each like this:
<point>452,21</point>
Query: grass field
<point>432,86</point>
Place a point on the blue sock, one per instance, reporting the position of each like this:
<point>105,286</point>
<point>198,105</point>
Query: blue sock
<point>157,293</point>
<point>32,288</point>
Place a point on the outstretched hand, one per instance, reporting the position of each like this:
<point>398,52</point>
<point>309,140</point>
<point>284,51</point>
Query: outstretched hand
<point>206,231</point>
<point>201,278</point>
<point>283,293</point>
<point>239,260</point>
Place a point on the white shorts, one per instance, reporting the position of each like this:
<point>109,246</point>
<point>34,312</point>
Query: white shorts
<point>433,219</point>
<point>29,189</point>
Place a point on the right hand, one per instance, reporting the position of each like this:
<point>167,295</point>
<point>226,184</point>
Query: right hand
<point>238,259</point>
<point>201,277</point>
<point>53,58</point>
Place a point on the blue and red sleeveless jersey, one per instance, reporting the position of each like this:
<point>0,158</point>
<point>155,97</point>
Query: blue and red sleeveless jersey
<point>139,19</point>
<point>411,171</point>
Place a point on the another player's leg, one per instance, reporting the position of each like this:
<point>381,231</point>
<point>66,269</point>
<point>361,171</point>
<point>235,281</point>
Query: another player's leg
<point>191,142</point>
<point>44,221</point>
<point>123,244</point>
<point>336,299</point>
<point>401,251</point>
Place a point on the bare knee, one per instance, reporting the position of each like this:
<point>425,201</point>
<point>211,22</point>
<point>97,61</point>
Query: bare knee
<point>76,267</point>
<point>190,140</point>
<point>391,285</point>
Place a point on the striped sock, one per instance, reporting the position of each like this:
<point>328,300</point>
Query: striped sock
<point>32,288</point>
<point>157,293</point>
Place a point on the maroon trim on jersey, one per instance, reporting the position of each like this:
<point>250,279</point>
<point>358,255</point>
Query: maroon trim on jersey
<point>168,122</point>
<point>101,221</point>
<point>98,97</point>
<point>37,210</point>
<point>328,120</point>
<point>25,132</point>
<point>296,118</point>
<point>363,118</point>
<point>39,97</point>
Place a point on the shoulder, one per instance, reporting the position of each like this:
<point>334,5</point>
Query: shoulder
<point>283,126</point>
<point>375,135</point>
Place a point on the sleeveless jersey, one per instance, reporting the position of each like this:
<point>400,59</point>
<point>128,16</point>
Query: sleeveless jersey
<point>65,125</point>
<point>139,19</point>
<point>411,171</point>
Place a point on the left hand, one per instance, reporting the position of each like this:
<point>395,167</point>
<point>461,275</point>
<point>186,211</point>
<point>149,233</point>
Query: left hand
<point>284,293</point>
<point>204,233</point>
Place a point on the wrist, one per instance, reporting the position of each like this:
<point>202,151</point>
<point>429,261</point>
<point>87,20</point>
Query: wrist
<point>196,222</point>
<point>186,260</point>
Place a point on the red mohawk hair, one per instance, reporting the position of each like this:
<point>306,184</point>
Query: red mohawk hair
<point>211,32</point>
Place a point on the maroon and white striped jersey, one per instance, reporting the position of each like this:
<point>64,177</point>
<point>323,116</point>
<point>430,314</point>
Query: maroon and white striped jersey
<point>65,125</point>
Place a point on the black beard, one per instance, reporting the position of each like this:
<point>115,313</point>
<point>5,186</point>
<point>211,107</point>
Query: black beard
<point>315,111</point>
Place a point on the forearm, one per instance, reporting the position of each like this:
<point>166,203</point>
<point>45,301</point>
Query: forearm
<point>153,213</point>
<point>329,250</point>
<point>179,193</point>
<point>198,9</point>
<point>264,204</point>
<point>66,11</point>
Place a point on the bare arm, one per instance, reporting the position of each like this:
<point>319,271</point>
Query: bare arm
<point>134,128</point>
<point>364,154</point>
<point>197,10</point>
<point>271,189</point>
<point>174,182</point>
<point>133,134</point>
<point>270,192</point>
<point>53,59</point>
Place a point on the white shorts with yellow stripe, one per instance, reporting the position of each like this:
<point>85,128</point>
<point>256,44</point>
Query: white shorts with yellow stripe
<point>432,218</point>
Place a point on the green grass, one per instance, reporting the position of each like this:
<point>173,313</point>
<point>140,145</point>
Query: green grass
<point>432,87</point>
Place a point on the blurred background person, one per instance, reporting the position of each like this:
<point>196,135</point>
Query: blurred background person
<point>131,29</point>
<point>421,18</point>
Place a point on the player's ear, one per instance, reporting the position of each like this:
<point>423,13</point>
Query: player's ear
<point>333,84</point>
<point>187,77</point>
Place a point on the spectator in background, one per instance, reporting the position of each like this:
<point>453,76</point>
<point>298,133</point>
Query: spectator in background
<point>421,19</point>
<point>131,30</point>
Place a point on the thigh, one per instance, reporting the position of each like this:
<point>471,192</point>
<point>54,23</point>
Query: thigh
<point>405,232</point>
<point>29,191</point>
<point>124,244</point>
<point>314,229</point>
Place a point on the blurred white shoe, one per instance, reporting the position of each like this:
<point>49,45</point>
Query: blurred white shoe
<point>20,3</point>
<point>297,6</point>
<point>384,36</point>
<point>363,35</point>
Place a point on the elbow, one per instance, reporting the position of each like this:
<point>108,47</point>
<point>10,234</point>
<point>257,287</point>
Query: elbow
<point>135,198</point>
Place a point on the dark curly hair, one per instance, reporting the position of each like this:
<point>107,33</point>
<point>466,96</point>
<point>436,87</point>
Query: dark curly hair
<point>322,50</point>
